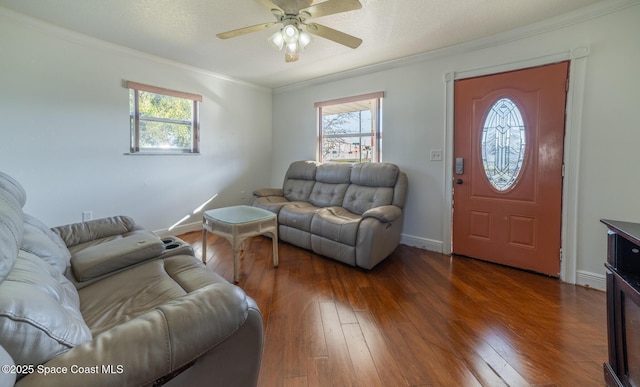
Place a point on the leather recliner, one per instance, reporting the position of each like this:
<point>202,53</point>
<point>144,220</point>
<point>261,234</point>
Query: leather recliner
<point>105,303</point>
<point>352,213</point>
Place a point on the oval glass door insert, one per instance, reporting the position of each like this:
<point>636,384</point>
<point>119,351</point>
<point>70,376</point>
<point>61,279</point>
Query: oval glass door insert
<point>503,144</point>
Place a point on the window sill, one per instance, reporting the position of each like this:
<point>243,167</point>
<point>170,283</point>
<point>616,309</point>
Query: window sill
<point>161,154</point>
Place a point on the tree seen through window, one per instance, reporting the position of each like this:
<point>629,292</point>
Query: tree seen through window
<point>350,130</point>
<point>162,122</point>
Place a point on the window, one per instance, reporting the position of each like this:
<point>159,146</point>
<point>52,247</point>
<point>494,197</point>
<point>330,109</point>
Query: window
<point>503,144</point>
<point>163,121</point>
<point>349,129</point>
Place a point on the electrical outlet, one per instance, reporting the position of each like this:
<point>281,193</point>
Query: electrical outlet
<point>436,155</point>
<point>87,215</point>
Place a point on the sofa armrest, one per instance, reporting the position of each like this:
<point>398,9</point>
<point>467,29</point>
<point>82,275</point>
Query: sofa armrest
<point>385,214</point>
<point>76,233</point>
<point>268,192</point>
<point>149,347</point>
<point>108,257</point>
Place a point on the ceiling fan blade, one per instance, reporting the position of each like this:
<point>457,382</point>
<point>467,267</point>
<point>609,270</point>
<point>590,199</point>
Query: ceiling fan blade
<point>331,7</point>
<point>335,35</point>
<point>245,30</point>
<point>268,4</point>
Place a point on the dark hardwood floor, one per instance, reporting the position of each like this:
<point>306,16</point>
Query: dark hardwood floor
<point>417,319</point>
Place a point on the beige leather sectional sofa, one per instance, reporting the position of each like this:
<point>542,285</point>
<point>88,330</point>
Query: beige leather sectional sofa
<point>352,213</point>
<point>108,303</point>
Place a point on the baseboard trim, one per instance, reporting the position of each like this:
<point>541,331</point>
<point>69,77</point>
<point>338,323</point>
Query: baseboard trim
<point>181,229</point>
<point>421,243</point>
<point>591,280</point>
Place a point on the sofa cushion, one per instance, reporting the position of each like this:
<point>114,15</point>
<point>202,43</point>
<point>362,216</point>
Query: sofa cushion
<point>89,244</point>
<point>297,190</point>
<point>77,233</point>
<point>334,173</point>
<point>39,312</point>
<point>299,180</point>
<point>270,203</point>
<point>298,215</point>
<point>55,238</point>
<point>302,170</point>
<point>327,195</point>
<point>44,243</point>
<point>11,231</point>
<point>12,186</point>
<point>359,199</point>
<point>375,174</point>
<point>332,181</point>
<point>336,224</point>
<point>108,257</point>
<point>132,293</point>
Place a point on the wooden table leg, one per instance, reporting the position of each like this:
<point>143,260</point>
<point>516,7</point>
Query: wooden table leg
<point>236,264</point>
<point>274,242</point>
<point>236,244</point>
<point>204,246</point>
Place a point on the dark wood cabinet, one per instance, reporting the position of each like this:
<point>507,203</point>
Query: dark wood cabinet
<point>623,303</point>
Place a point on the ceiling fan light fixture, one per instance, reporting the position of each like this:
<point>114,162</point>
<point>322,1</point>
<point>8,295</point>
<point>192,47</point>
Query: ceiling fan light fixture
<point>292,39</point>
<point>290,33</point>
<point>276,40</point>
<point>304,39</point>
<point>292,14</point>
<point>292,48</point>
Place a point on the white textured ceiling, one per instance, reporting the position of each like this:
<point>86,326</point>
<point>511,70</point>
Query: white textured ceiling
<point>184,30</point>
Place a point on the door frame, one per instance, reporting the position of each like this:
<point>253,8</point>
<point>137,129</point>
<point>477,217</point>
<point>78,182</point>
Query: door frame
<point>573,133</point>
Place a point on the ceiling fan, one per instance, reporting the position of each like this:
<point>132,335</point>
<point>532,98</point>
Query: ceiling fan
<point>293,14</point>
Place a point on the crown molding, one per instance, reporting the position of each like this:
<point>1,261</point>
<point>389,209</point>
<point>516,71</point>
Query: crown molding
<point>580,15</point>
<point>596,10</point>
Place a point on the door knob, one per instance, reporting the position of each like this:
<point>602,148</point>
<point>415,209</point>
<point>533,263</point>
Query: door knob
<point>458,181</point>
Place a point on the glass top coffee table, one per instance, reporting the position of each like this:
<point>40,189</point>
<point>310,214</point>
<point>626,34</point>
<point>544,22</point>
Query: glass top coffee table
<point>236,224</point>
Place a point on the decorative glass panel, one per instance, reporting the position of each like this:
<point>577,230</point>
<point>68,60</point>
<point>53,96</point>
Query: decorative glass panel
<point>503,144</point>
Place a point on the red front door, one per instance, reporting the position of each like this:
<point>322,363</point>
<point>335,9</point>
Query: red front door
<point>508,149</point>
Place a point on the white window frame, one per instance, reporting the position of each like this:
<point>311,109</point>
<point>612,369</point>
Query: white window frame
<point>375,133</point>
<point>136,118</point>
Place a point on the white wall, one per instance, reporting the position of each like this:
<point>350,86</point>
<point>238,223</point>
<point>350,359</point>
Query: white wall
<point>64,130</point>
<point>64,127</point>
<point>605,148</point>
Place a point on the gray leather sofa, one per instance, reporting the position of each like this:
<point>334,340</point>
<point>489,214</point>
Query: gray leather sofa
<point>108,303</point>
<point>352,213</point>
